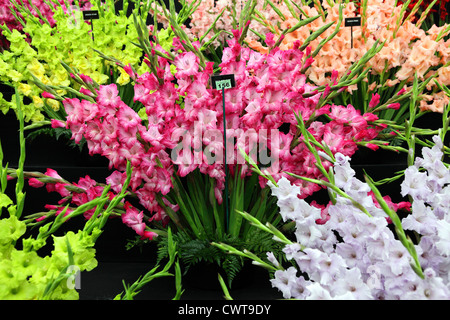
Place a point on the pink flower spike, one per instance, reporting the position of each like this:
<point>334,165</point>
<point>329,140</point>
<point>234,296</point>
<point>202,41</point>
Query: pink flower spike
<point>401,92</point>
<point>374,101</point>
<point>86,79</point>
<point>108,95</point>
<point>394,106</point>
<point>129,70</point>
<point>58,123</point>
<point>45,94</point>
<point>270,39</point>
<point>35,183</point>
<point>334,76</point>
<point>53,173</point>
<point>87,92</point>
<point>372,146</point>
<point>149,235</point>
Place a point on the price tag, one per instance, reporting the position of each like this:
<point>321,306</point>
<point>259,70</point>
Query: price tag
<point>223,81</point>
<point>90,14</point>
<point>353,22</point>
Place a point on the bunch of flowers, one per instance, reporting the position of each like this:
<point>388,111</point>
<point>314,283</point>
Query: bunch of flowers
<point>37,52</point>
<point>357,247</point>
<point>224,16</point>
<point>84,191</point>
<point>183,128</point>
<point>355,255</point>
<point>11,13</point>
<point>407,50</point>
<point>25,274</point>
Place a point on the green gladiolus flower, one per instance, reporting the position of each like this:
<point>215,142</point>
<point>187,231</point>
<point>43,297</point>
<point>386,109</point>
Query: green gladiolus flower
<point>82,248</point>
<point>11,229</point>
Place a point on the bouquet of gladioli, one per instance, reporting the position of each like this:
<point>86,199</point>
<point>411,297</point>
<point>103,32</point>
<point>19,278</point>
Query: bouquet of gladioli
<point>37,52</point>
<point>24,273</point>
<point>362,249</point>
<point>182,175</point>
<point>407,50</point>
<point>12,15</point>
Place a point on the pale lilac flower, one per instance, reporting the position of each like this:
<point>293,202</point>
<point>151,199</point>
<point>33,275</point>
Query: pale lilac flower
<point>272,259</point>
<point>441,202</point>
<point>331,267</point>
<point>378,249</point>
<point>293,208</point>
<point>352,253</point>
<point>285,189</point>
<point>341,159</point>
<point>343,174</point>
<point>443,233</point>
<point>299,289</point>
<point>421,220</point>
<point>291,250</point>
<point>318,292</point>
<point>428,253</point>
<point>415,183</point>
<point>351,282</point>
<point>433,287</point>
<point>399,258</point>
<point>285,281</point>
<point>308,261</point>
<point>308,234</point>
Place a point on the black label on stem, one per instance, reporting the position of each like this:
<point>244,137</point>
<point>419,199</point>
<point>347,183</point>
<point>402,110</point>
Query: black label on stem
<point>223,81</point>
<point>353,22</point>
<point>90,14</point>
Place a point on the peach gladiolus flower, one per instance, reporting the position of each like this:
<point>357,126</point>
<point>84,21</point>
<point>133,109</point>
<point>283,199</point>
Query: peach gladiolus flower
<point>439,101</point>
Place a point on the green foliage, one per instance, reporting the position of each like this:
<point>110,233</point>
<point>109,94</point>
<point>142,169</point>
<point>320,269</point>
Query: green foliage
<point>132,290</point>
<point>193,251</point>
<point>62,134</point>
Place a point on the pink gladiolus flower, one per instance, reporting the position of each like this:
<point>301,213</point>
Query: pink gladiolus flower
<point>133,218</point>
<point>374,101</point>
<point>129,70</point>
<point>372,146</point>
<point>86,92</point>
<point>270,39</point>
<point>149,235</point>
<point>86,79</point>
<point>35,183</point>
<point>108,95</point>
<point>45,94</point>
<point>394,106</point>
<point>402,91</point>
<point>57,123</point>
<point>187,64</point>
